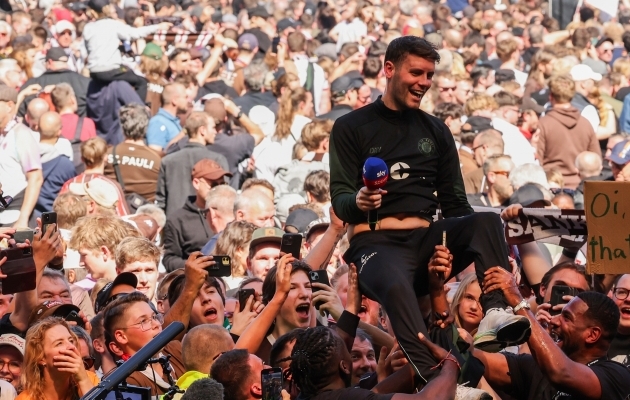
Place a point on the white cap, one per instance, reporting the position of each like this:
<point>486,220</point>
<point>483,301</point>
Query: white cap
<point>582,72</point>
<point>64,25</point>
<point>264,118</point>
<point>9,339</point>
<point>102,192</point>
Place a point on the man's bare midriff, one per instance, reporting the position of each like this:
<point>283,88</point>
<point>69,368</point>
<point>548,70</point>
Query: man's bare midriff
<point>391,222</point>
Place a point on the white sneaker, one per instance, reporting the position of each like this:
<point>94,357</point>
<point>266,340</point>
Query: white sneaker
<point>468,393</point>
<point>501,328</point>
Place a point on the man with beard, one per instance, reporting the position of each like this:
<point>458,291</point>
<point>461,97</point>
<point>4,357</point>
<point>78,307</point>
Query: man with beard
<point>496,170</point>
<point>393,254</point>
<point>571,361</point>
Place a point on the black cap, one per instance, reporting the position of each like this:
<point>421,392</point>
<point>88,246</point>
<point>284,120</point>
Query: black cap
<point>77,6</point>
<point>604,40</point>
<point>285,23</point>
<point>476,124</point>
<point>56,54</point>
<point>529,196</point>
<point>299,219</point>
<point>258,11</point>
<point>504,75</point>
<point>104,295</point>
<point>344,83</point>
<point>97,5</point>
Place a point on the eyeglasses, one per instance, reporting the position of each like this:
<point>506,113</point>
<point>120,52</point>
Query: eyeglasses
<point>13,366</point>
<point>66,32</point>
<point>446,89</point>
<point>504,173</point>
<point>477,147</point>
<point>147,324</point>
<point>606,50</point>
<point>555,191</point>
<point>621,293</point>
<point>88,362</point>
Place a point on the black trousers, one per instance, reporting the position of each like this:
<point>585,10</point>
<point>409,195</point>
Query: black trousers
<point>393,270</point>
<point>139,83</point>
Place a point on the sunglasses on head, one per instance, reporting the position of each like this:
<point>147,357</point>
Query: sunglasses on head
<point>88,362</point>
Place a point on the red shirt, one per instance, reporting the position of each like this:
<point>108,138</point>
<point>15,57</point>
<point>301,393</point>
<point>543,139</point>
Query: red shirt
<point>69,127</point>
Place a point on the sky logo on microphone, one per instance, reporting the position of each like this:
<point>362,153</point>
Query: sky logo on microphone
<point>375,173</point>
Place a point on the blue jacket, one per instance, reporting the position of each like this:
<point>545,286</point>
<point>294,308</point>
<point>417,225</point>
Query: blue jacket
<point>56,169</point>
<point>624,119</point>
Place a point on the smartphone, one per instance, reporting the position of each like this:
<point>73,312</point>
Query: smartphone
<point>22,235</point>
<point>5,202</point>
<point>243,296</point>
<point>19,269</point>
<point>48,218</point>
<point>271,380</point>
<point>74,316</point>
<point>222,266</point>
<point>320,276</point>
<point>291,243</point>
<point>274,44</point>
<point>557,293</point>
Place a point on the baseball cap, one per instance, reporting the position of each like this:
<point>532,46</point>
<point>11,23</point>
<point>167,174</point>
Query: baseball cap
<point>327,50</point>
<point>317,224</point>
<point>145,224</point>
<point>51,308</point>
<point>56,54</point>
<point>345,83</point>
<point>258,11</point>
<point>229,19</point>
<point>153,51</point>
<point>582,72</point>
<point>247,41</point>
<point>300,219</point>
<point>209,169</point>
<point>604,40</point>
<point>285,23</point>
<point>77,6</point>
<point>7,93</point>
<point>476,124</point>
<point>265,235</point>
<point>620,153</point>
<point>102,192</point>
<point>10,339</point>
<point>104,295</point>
<point>529,196</point>
<point>64,26</point>
<point>97,5</point>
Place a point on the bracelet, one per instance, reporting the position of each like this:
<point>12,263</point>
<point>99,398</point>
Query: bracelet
<point>239,115</point>
<point>447,358</point>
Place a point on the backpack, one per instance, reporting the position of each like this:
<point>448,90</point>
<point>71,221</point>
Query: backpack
<point>309,85</point>
<point>79,166</point>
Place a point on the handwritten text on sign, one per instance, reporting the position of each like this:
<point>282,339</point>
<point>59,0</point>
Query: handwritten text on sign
<point>607,206</point>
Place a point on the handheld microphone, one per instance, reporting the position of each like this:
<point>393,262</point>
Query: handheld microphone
<point>121,373</point>
<point>375,175</point>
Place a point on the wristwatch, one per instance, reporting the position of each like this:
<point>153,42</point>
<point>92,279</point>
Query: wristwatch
<point>524,304</point>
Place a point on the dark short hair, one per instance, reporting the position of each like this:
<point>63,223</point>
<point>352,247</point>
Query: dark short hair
<point>280,344</point>
<point>232,370</point>
<point>372,67</point>
<point>401,47</point>
<point>474,38</point>
<point>204,389</point>
<point>603,311</point>
<point>269,284</point>
<point>177,287</point>
<point>446,110</point>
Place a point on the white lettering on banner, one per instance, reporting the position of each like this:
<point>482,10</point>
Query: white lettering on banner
<point>134,161</point>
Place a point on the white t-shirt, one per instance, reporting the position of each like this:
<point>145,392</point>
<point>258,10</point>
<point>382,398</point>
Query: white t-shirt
<point>17,157</point>
<point>514,143</point>
<point>319,79</point>
<point>348,32</point>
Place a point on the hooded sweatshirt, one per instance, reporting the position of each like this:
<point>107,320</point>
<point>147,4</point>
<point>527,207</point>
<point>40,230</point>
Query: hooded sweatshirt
<point>56,169</point>
<point>564,134</point>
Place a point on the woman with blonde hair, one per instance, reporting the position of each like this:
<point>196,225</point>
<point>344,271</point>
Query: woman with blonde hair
<point>465,307</point>
<point>607,122</point>
<point>53,367</point>
<point>295,111</point>
<point>234,242</point>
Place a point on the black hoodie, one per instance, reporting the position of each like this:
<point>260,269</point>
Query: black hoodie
<point>185,232</point>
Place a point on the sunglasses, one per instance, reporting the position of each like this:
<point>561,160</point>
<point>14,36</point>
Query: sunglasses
<point>88,362</point>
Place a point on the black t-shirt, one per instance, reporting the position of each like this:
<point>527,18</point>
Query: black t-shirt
<point>7,327</point>
<point>219,87</point>
<point>620,349</point>
<point>529,382</point>
<point>350,394</point>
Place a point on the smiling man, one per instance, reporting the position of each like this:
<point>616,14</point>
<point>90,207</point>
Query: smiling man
<point>140,257</point>
<point>571,362</point>
<point>393,256</point>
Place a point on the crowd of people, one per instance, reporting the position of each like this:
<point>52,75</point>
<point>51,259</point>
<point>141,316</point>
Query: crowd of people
<point>169,139</point>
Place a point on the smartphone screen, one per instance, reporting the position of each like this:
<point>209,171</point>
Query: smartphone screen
<point>243,296</point>
<point>271,380</point>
